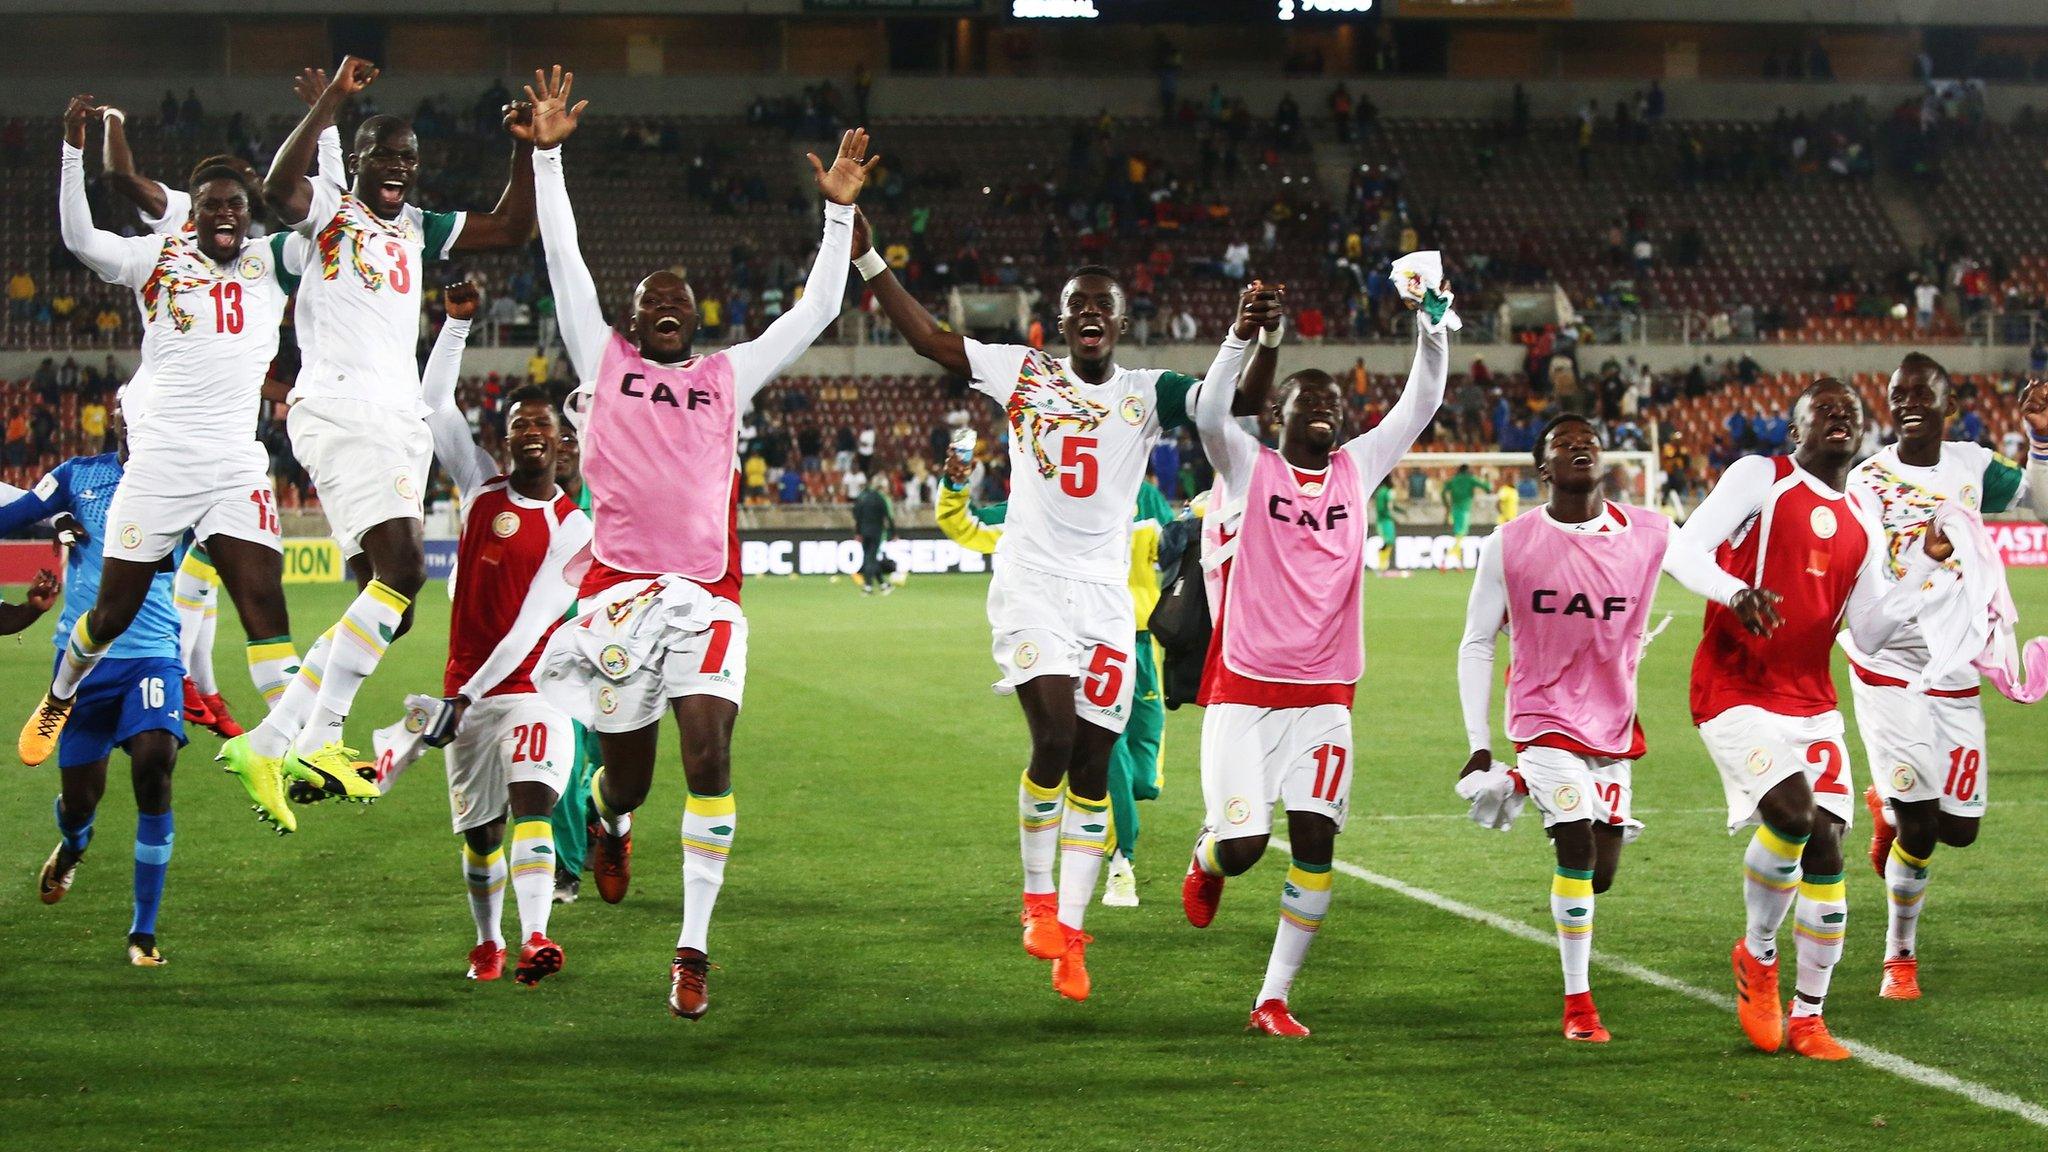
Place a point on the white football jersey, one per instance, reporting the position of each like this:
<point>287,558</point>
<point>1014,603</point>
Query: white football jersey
<point>1078,452</point>
<point>359,307</point>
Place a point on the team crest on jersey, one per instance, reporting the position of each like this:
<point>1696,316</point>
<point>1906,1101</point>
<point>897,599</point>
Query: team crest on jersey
<point>1566,798</point>
<point>1045,401</point>
<point>1823,521</point>
<point>612,658</point>
<point>250,268</point>
<point>1759,761</point>
<point>1237,811</point>
<point>461,799</point>
<point>415,720</point>
<point>1903,778</point>
<point>1133,410</point>
<point>131,535</point>
<point>403,485</point>
<point>504,524</point>
<point>607,701</point>
<point>1969,495</point>
<point>1026,655</point>
<point>1312,489</point>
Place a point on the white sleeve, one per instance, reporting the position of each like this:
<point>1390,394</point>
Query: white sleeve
<point>1694,567</point>
<point>321,208</point>
<point>177,210</point>
<point>1230,450</point>
<point>1877,606</point>
<point>551,594</point>
<point>577,309</point>
<point>1486,611</point>
<point>328,165</point>
<point>763,358</point>
<point>1376,452</point>
<point>994,367</point>
<point>114,259</point>
<point>466,463</point>
<point>1737,496</point>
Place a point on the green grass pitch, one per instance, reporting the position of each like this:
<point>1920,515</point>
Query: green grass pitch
<point>872,992</point>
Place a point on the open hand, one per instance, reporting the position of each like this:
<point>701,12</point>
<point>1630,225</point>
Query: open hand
<point>842,182</point>
<point>1757,608</point>
<point>309,84</point>
<point>554,118</point>
<point>460,299</point>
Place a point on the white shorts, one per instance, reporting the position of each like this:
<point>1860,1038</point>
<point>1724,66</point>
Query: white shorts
<point>1924,747</point>
<point>165,493</point>
<point>368,462</point>
<point>506,740</point>
<point>1755,749</point>
<point>1254,756</point>
<point>1566,786</point>
<point>1047,625</point>
<point>640,644</point>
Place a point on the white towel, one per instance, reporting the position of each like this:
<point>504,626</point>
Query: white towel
<point>1496,795</point>
<point>1972,621</point>
<point>398,745</point>
<point>1419,275</point>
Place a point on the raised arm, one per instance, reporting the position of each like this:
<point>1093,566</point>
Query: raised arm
<point>919,328</point>
<point>114,259</point>
<point>761,359</point>
<point>287,188</point>
<point>577,309</point>
<point>1255,387</point>
<point>1377,451</point>
<point>1232,450</point>
<point>510,224</point>
<point>1486,611</point>
<point>466,463</point>
<point>329,164</point>
<point>118,170</point>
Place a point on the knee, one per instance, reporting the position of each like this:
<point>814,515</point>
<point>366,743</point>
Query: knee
<point>405,575</point>
<point>1795,823</point>
<point>1920,827</point>
<point>707,766</point>
<point>1573,842</point>
<point>1959,833</point>
<point>1053,749</point>
<point>485,839</point>
<point>1237,856</point>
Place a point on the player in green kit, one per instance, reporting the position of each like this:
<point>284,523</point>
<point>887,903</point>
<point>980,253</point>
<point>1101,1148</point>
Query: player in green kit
<point>1383,515</point>
<point>571,817</point>
<point>1458,492</point>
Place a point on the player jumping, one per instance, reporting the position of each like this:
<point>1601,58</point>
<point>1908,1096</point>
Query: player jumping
<point>514,580</point>
<point>1572,586</point>
<point>1926,746</point>
<point>357,422</point>
<point>663,630</point>
<point>128,700</point>
<point>211,303</point>
<point>1765,705</point>
<point>1289,645</point>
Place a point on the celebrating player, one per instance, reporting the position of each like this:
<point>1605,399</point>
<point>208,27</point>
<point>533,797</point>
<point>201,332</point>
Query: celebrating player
<point>513,582</point>
<point>1765,704</point>
<point>1573,585</point>
<point>356,421</point>
<point>1926,745</point>
<point>211,303</point>
<point>1289,645</point>
<point>663,626</point>
<point>1082,428</point>
<point>128,699</point>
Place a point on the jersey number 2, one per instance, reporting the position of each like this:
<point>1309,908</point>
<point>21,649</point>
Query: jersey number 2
<point>1077,466</point>
<point>1828,754</point>
<point>227,306</point>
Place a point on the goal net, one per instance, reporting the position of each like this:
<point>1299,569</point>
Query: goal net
<point>1426,506</point>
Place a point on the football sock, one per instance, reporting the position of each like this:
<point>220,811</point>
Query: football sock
<point>1084,833</point>
<point>359,642</point>
<point>707,841</point>
<point>1905,878</point>
<point>1205,854</point>
<point>274,736</point>
<point>1571,905</point>
<point>81,655</point>
<point>200,664</point>
<point>272,664</point>
<point>533,872</point>
<point>1770,879</point>
<point>1038,833</point>
<point>486,878</point>
<point>1304,901</point>
<point>1820,924</point>
<point>152,859</point>
<point>615,823</point>
<point>77,833</point>
<point>188,594</point>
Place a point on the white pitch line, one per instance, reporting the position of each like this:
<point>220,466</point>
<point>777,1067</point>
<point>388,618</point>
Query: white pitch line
<point>1975,1093</point>
<point>1637,812</point>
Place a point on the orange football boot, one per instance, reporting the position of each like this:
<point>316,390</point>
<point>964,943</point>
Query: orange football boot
<point>1582,1020</point>
<point>1070,971</point>
<point>1901,978</point>
<point>1200,893</point>
<point>1043,937</point>
<point>1756,999</point>
<point>686,995</point>
<point>221,722</point>
<point>1881,831</point>
<point>487,961</point>
<point>539,958</point>
<point>611,862</point>
<point>1809,1036</point>
<point>1273,1018</point>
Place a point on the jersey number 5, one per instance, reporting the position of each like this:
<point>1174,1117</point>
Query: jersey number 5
<point>1077,466</point>
<point>1105,678</point>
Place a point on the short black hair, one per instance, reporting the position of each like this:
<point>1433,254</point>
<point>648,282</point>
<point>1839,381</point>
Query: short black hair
<point>1296,379</point>
<point>1093,270</point>
<point>375,128</point>
<point>1551,425</point>
<point>530,394</point>
<point>217,168</point>
<point>1922,362</point>
<point>1821,385</point>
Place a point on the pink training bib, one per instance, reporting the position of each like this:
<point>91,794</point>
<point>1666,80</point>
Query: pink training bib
<point>659,443</point>
<point>1577,606</point>
<point>1296,596</point>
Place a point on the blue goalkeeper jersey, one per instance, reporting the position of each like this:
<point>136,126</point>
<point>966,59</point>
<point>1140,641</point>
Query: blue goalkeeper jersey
<point>84,486</point>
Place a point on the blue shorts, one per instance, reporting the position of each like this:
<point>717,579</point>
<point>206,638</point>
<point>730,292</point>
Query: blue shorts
<point>120,700</point>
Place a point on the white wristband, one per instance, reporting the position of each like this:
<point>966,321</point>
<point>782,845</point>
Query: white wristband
<point>1270,337</point>
<point>115,114</point>
<point>869,265</point>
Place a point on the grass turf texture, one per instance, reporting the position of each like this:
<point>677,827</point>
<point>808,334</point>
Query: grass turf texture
<point>873,994</point>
